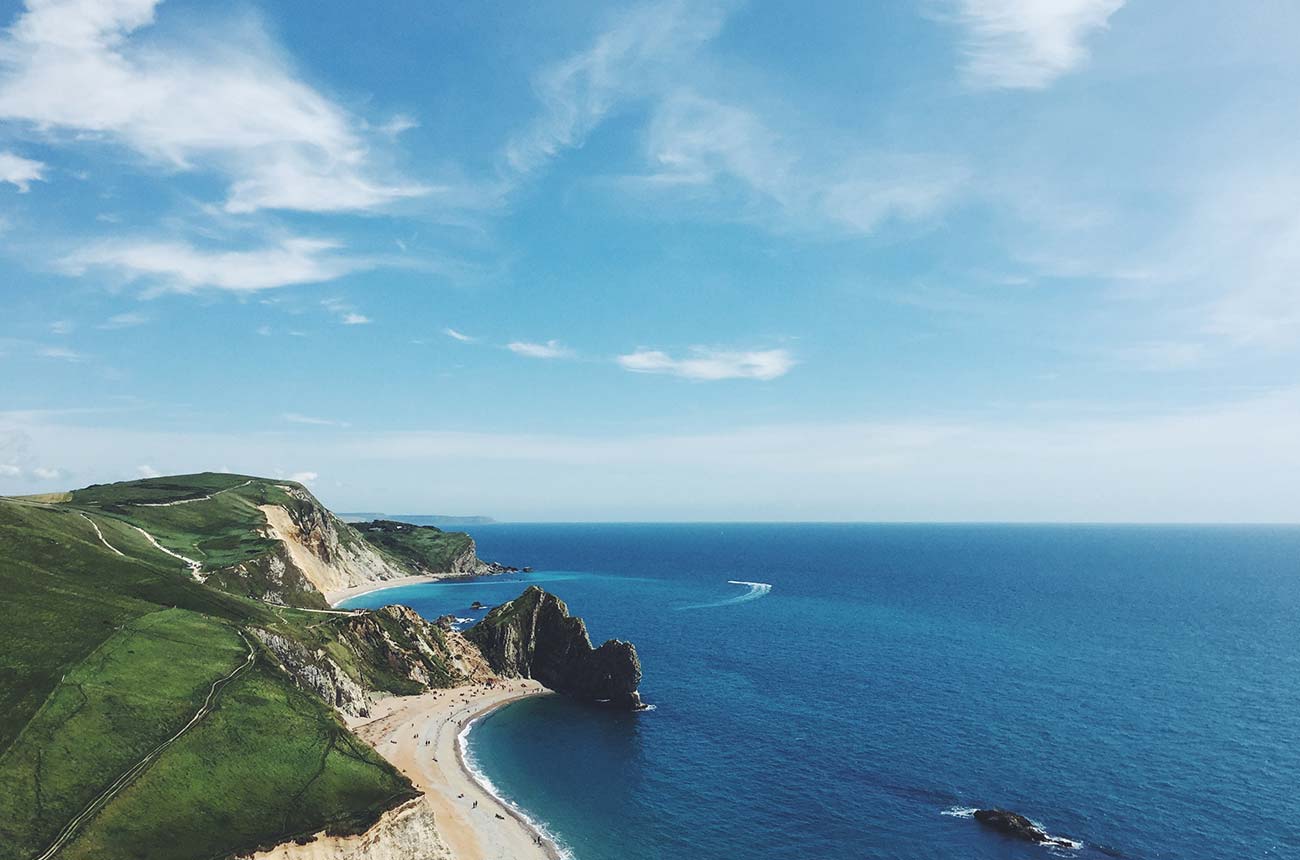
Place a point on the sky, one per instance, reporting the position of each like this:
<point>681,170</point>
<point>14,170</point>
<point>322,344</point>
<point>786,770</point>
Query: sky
<point>1003,260</point>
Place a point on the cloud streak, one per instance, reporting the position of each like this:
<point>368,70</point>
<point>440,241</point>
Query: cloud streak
<point>179,266</point>
<point>1027,44</point>
<point>711,365</point>
<point>550,349</point>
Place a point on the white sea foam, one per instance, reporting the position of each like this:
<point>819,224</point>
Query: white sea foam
<point>476,772</point>
<point>756,590</point>
<point>959,811</point>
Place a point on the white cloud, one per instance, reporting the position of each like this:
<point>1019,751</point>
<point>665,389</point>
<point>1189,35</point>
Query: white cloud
<point>711,364</point>
<point>20,172</point>
<point>346,313</point>
<point>123,320</point>
<point>303,477</point>
<point>1027,44</point>
<point>60,352</point>
<point>700,146</point>
<point>580,91</point>
<point>144,471</point>
<point>47,474</point>
<point>228,102</point>
<point>62,327</point>
<point>550,349</point>
<point>298,418</point>
<point>181,267</point>
<point>455,335</point>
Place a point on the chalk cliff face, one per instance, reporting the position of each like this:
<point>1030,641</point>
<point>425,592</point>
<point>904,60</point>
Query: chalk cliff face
<point>324,549</point>
<point>533,636</point>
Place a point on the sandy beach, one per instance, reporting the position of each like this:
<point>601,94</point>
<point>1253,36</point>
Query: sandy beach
<point>455,819</point>
<point>418,734</point>
<point>338,595</point>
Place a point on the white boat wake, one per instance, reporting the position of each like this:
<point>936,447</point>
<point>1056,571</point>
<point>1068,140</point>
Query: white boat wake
<point>756,590</point>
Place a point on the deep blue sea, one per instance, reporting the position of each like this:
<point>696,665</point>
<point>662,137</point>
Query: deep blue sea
<point>1135,688</point>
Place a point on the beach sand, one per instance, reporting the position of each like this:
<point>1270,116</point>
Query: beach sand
<point>338,595</point>
<point>425,729</point>
<point>418,734</point>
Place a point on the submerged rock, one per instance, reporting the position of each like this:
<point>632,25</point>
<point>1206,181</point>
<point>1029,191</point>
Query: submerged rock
<point>533,636</point>
<point>1017,826</point>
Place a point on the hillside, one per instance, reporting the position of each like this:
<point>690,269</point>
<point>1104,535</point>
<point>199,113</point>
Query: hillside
<point>130,605</point>
<point>428,549</point>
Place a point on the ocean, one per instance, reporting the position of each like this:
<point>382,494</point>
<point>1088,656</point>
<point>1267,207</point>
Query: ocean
<point>852,691</point>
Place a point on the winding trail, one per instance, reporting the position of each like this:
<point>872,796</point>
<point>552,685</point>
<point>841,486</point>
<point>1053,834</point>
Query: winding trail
<point>94,525</point>
<point>70,830</point>
<point>188,501</point>
<point>196,567</point>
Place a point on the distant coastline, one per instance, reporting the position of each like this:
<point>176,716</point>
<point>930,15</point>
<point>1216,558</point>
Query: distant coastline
<point>439,520</point>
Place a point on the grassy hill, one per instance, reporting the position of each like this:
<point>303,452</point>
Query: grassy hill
<point>428,549</point>
<point>111,646</point>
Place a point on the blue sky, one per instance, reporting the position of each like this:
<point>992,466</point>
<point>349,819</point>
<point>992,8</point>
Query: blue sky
<point>932,260</point>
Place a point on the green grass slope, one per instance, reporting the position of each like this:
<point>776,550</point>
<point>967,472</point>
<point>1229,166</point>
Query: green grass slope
<point>106,650</point>
<point>428,549</point>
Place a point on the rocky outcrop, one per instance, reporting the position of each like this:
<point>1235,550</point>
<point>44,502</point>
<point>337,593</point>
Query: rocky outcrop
<point>318,673</point>
<point>533,636</point>
<point>1016,826</point>
<point>397,642</point>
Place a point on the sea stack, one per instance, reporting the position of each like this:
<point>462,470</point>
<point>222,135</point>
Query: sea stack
<point>533,636</point>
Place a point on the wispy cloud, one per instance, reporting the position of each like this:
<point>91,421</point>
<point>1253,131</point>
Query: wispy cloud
<point>298,418</point>
<point>227,102</point>
<point>183,267</point>
<point>455,335</point>
<point>578,92</point>
<point>146,471</point>
<point>62,327</point>
<point>727,154</point>
<point>61,353</point>
<point>550,349</point>
<point>130,319</point>
<point>20,172</point>
<point>346,313</point>
<point>711,364</point>
<point>1027,44</point>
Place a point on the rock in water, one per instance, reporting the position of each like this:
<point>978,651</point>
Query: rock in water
<point>1016,826</point>
<point>533,636</point>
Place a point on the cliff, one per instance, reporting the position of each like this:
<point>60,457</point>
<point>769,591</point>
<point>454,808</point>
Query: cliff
<point>385,651</point>
<point>534,636</point>
<point>425,549</point>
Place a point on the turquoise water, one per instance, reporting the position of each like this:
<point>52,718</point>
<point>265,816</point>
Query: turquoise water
<point>1134,688</point>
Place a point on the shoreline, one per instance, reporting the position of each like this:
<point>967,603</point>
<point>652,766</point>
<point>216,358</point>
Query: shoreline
<point>421,735</point>
<point>547,843</point>
<point>338,595</point>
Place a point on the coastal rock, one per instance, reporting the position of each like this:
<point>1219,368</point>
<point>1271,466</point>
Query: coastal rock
<point>1016,826</point>
<point>316,672</point>
<point>533,636</point>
